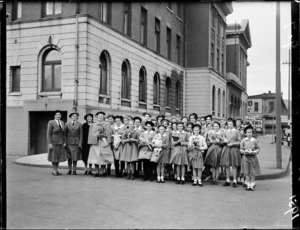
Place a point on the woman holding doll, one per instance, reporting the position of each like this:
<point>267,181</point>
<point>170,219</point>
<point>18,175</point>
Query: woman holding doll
<point>129,154</point>
<point>146,150</point>
<point>179,152</point>
<point>196,147</point>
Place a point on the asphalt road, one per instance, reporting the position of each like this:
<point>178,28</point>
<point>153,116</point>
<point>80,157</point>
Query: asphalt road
<point>36,199</point>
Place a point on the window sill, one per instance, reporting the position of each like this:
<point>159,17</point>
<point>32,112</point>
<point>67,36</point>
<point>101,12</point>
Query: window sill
<point>125,102</point>
<point>46,94</point>
<point>104,99</point>
<point>171,11</point>
<point>15,94</point>
<point>180,19</point>
<point>142,105</point>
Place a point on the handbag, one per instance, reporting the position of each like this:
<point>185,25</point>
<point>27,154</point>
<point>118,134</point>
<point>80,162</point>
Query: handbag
<point>145,153</point>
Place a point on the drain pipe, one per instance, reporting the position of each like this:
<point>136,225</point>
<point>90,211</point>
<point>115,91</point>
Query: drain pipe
<point>75,102</point>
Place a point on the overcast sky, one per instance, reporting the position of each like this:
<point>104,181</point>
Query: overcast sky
<point>261,56</point>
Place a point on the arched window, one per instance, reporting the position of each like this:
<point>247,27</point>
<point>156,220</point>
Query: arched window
<point>51,75</point>
<point>126,79</point>
<point>156,86</point>
<point>224,104</point>
<point>219,103</point>
<point>142,85</point>
<point>213,100</point>
<point>104,73</point>
<point>168,91</point>
<point>177,95</point>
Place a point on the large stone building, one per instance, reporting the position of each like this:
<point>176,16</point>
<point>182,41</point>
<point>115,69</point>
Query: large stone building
<point>123,58</point>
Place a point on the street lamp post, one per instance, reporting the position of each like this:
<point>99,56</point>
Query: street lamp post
<point>289,85</point>
<point>278,90</point>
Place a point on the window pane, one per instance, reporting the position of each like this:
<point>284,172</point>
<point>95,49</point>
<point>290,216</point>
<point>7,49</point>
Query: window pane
<point>155,90</point>
<point>19,10</point>
<point>103,75</point>
<point>49,8</point>
<point>15,79</point>
<point>53,56</point>
<point>104,11</point>
<point>47,78</point>
<point>57,7</point>
<point>57,77</point>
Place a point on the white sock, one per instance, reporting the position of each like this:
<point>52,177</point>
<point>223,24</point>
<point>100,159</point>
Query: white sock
<point>195,180</point>
<point>178,178</point>
<point>182,178</point>
<point>228,180</point>
<point>199,181</point>
<point>234,181</point>
<point>158,177</point>
<point>161,178</point>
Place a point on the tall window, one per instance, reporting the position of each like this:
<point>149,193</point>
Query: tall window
<point>142,85</point>
<point>15,78</point>
<point>213,100</point>
<point>53,8</point>
<point>219,103</point>
<point>157,35</point>
<point>168,91</point>
<point>169,42</point>
<point>255,106</point>
<point>271,106</point>
<point>16,10</point>
<point>143,26</point>
<point>177,95</point>
<point>156,85</point>
<point>222,63</point>
<point>125,91</point>
<point>179,10</point>
<point>51,78</point>
<point>212,56</point>
<point>218,60</point>
<point>127,18</point>
<point>224,105</point>
<point>103,74</point>
<point>178,48</point>
<point>105,12</point>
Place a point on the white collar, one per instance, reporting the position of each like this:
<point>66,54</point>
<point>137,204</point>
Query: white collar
<point>139,128</point>
<point>233,129</point>
<point>251,139</point>
<point>151,131</point>
<point>118,127</point>
<point>180,132</point>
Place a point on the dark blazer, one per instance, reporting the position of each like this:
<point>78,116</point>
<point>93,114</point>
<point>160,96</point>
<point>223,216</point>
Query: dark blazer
<point>55,135</point>
<point>73,133</point>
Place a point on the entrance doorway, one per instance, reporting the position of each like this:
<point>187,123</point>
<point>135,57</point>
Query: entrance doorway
<point>38,122</point>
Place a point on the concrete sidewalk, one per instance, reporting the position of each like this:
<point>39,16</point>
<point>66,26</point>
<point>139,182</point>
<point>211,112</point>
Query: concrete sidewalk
<point>266,157</point>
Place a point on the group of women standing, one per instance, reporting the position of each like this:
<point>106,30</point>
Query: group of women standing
<point>152,147</point>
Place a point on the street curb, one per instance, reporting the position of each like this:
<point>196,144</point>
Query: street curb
<point>269,176</point>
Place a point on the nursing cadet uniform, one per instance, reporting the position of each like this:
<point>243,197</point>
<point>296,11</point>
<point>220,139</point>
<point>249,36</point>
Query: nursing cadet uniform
<point>179,152</point>
<point>231,155</point>
<point>117,138</point>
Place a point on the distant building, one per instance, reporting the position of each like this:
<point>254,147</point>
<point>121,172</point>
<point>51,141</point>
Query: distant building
<point>262,106</point>
<point>238,41</point>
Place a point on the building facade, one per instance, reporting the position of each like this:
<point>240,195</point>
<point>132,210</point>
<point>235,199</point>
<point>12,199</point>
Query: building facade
<point>237,43</point>
<point>263,106</point>
<point>122,58</point>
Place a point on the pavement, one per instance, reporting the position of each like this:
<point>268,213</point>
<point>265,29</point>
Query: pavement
<point>266,157</point>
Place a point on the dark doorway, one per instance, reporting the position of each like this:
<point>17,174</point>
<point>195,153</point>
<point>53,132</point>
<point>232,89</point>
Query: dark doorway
<point>38,122</point>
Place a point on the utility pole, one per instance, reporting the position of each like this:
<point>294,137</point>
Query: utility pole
<point>278,90</point>
<point>289,84</point>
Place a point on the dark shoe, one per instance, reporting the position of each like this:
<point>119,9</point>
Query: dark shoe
<point>96,175</point>
<point>244,185</point>
<point>247,189</point>
<point>74,173</point>
<point>216,183</point>
<point>85,173</point>
<point>58,173</point>
<point>162,181</point>
<point>200,184</point>
<point>194,183</point>
<point>129,177</point>
<point>212,182</point>
<point>54,174</point>
<point>234,185</point>
<point>239,183</point>
<point>132,177</point>
<point>145,178</point>
<point>177,182</point>
<point>182,182</point>
<point>90,173</point>
<point>226,183</point>
<point>158,181</point>
<point>69,172</point>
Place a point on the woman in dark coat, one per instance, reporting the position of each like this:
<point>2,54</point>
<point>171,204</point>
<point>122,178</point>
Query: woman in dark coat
<point>85,145</point>
<point>56,142</point>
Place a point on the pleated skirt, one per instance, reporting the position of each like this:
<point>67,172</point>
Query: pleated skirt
<point>179,155</point>
<point>129,152</point>
<point>196,159</point>
<point>231,156</point>
<point>213,156</point>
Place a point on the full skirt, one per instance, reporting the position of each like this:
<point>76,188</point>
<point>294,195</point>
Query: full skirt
<point>230,157</point>
<point>213,156</point>
<point>129,152</point>
<point>196,158</point>
<point>74,152</point>
<point>100,155</point>
<point>179,155</point>
<point>251,165</point>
